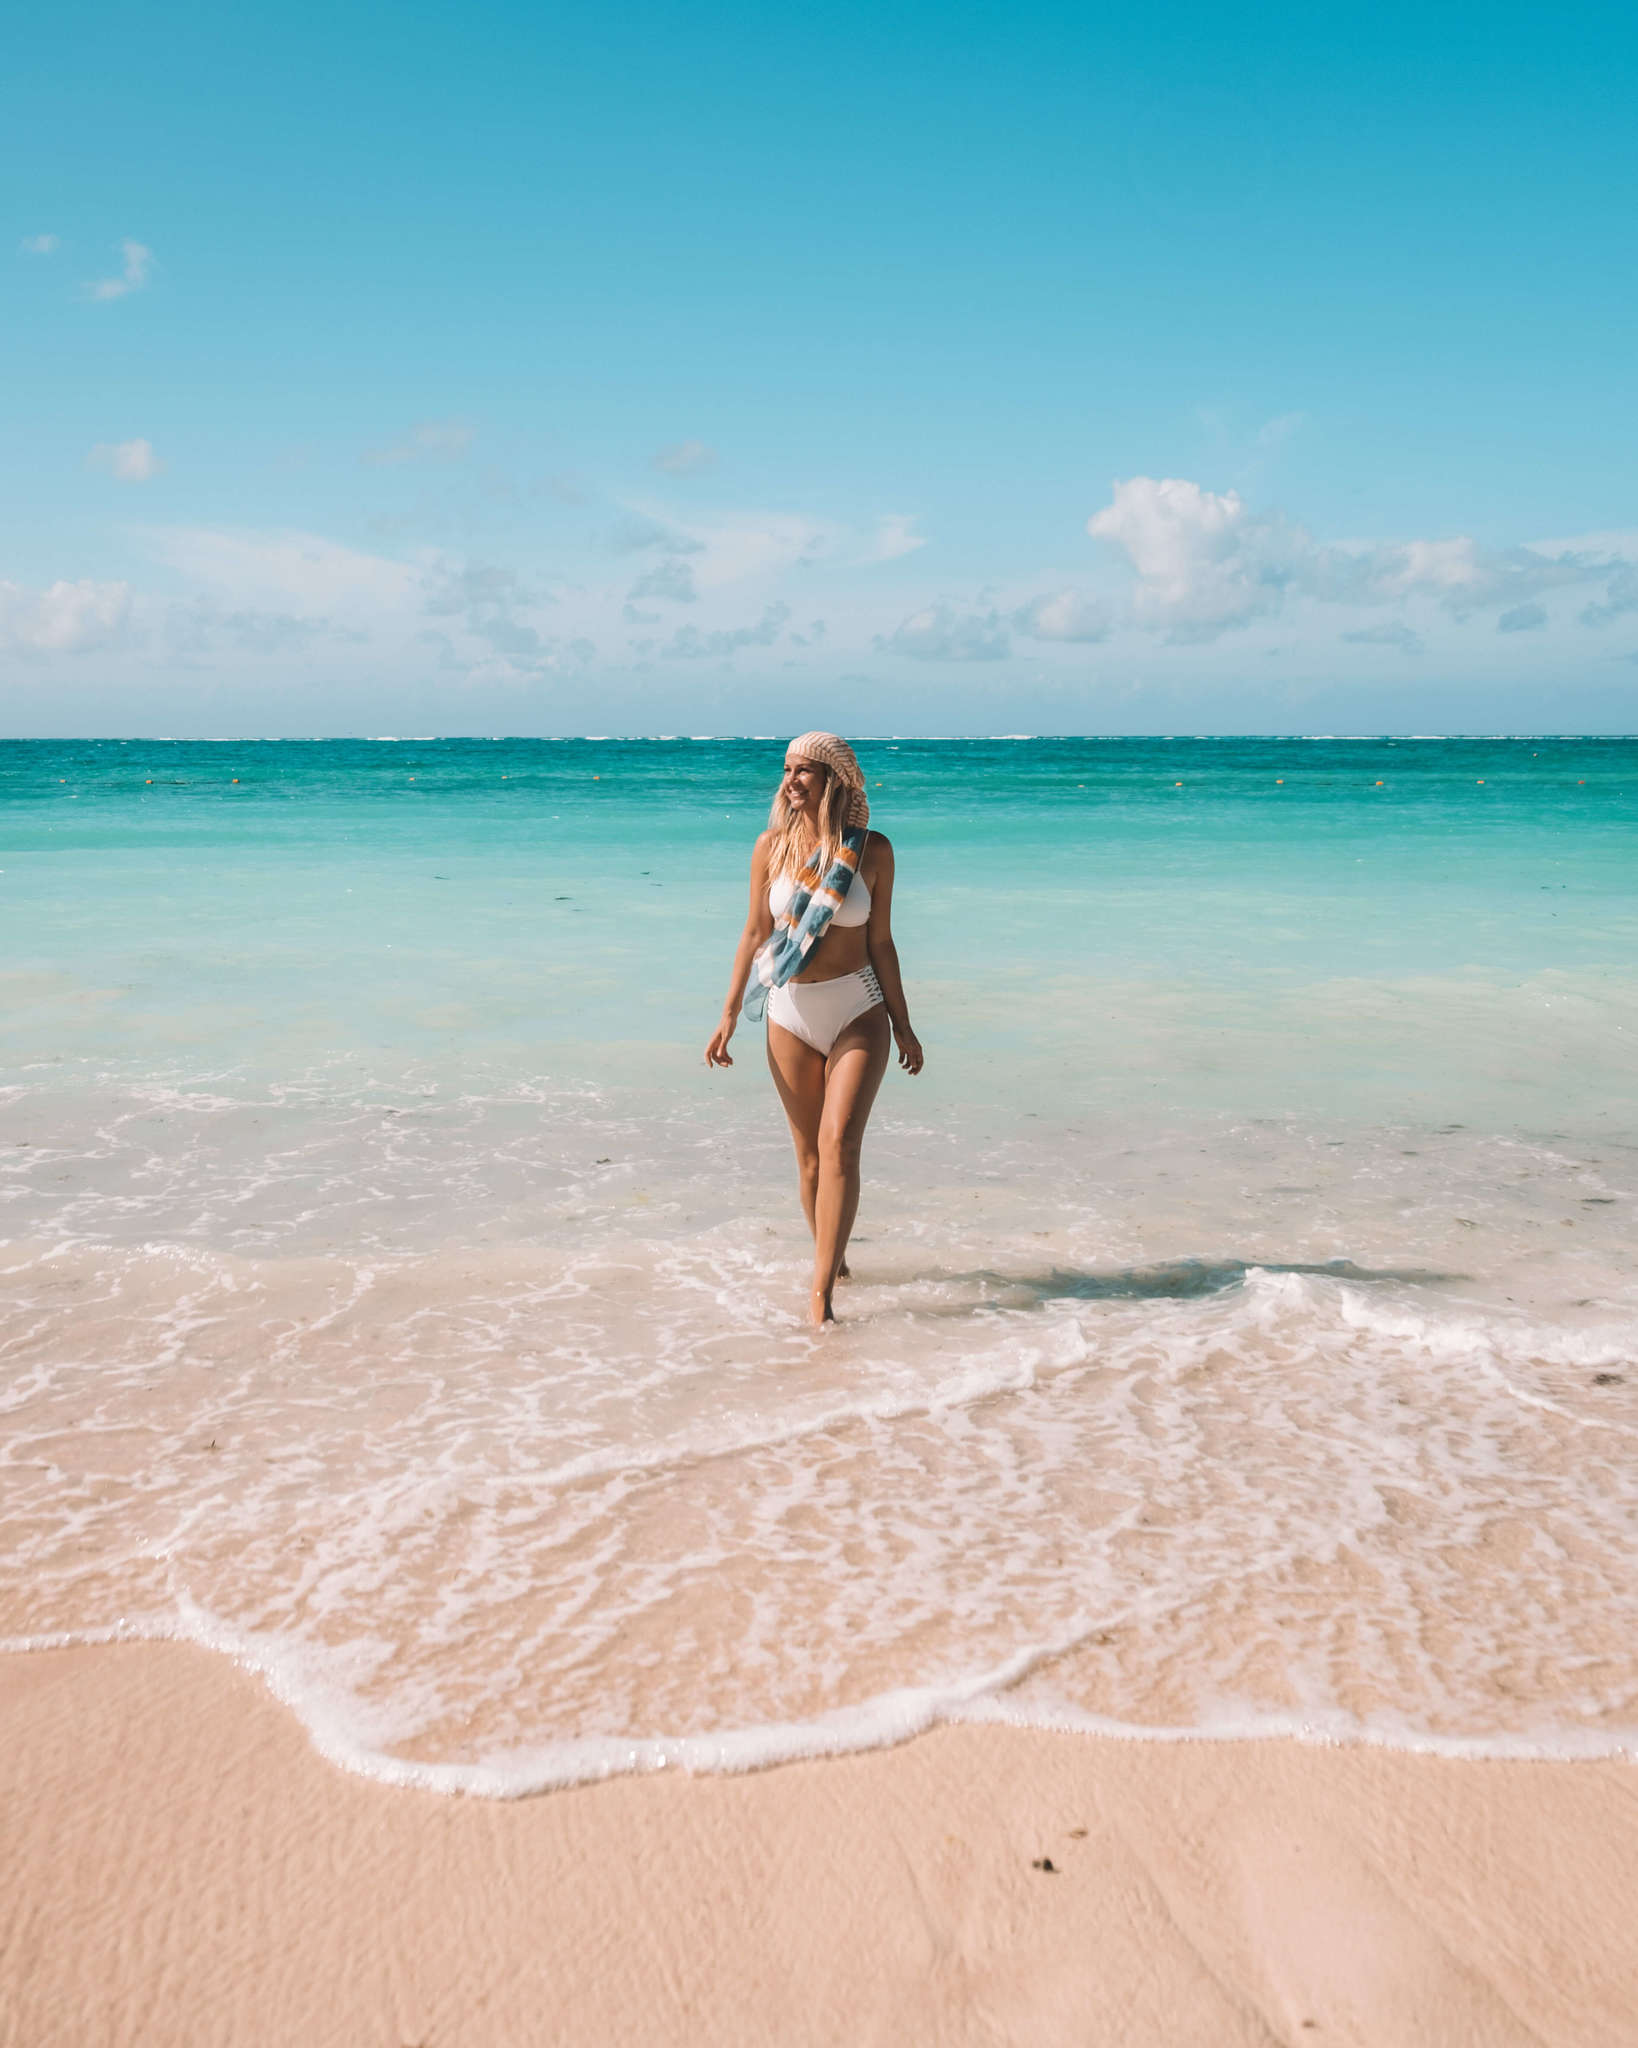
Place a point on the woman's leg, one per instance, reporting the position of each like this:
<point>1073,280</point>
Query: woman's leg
<point>799,1075</point>
<point>853,1073</point>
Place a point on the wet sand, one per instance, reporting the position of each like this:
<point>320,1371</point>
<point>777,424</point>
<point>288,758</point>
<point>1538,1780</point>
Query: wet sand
<point>182,1868</point>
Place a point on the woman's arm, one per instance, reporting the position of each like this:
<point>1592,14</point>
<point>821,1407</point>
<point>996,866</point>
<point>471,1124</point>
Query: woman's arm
<point>884,957</point>
<point>758,924</point>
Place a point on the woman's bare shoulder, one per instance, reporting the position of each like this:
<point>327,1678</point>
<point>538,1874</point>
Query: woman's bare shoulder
<point>877,865</point>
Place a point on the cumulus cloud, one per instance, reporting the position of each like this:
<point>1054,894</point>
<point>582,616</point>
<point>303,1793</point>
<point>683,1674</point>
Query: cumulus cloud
<point>428,441</point>
<point>64,618</point>
<point>692,643</point>
<point>895,535</point>
<point>1458,574</point>
<point>1205,563</point>
<point>132,462</point>
<point>1523,618</point>
<point>138,261</point>
<point>1062,615</point>
<point>40,245</point>
<point>686,458</point>
<point>941,633</point>
<point>1394,635</point>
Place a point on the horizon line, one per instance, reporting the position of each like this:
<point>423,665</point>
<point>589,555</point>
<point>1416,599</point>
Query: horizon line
<point>751,738</point>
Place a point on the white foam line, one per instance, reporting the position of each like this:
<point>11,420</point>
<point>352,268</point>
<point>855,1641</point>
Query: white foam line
<point>882,1722</point>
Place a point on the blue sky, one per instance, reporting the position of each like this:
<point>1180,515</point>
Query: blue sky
<point>930,369</point>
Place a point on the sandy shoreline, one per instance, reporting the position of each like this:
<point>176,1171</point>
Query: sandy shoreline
<point>181,1868</point>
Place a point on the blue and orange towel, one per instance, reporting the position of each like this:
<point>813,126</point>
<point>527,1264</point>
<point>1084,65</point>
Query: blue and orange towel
<point>815,900</point>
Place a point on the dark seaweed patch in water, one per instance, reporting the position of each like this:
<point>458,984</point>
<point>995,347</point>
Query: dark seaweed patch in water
<point>1181,1280</point>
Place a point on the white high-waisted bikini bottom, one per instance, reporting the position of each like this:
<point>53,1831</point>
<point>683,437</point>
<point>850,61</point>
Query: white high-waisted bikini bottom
<point>820,1011</point>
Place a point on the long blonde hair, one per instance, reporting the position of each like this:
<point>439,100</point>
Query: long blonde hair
<point>794,838</point>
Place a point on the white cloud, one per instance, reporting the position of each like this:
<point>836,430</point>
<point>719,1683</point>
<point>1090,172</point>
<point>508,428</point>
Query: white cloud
<point>133,274</point>
<point>686,458</point>
<point>692,643</point>
<point>428,441</point>
<point>259,593</point>
<point>132,462</point>
<point>1617,541</point>
<point>1203,562</point>
<point>1062,615</point>
<point>756,544</point>
<point>737,546</point>
<point>64,618</point>
<point>1459,574</point>
<point>40,245</point>
<point>941,633</point>
<point>1206,563</point>
<point>895,536</point>
<point>513,654</point>
<point>1523,618</point>
<point>300,572</point>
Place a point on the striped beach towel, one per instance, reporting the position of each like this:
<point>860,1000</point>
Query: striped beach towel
<point>814,902</point>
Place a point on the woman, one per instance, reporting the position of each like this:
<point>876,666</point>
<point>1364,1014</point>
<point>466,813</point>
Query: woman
<point>818,951</point>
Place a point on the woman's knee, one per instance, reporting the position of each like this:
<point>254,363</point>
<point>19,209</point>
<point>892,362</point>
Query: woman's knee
<point>839,1150</point>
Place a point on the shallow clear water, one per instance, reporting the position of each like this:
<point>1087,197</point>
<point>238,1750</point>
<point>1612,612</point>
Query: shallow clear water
<point>1244,1329</point>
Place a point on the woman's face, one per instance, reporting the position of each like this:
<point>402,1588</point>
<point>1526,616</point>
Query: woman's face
<point>804,785</point>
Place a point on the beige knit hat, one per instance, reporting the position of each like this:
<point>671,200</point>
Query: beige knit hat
<point>834,753</point>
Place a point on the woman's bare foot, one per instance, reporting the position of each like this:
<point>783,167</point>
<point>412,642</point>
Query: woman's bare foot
<point>819,1308</point>
<point>844,1271</point>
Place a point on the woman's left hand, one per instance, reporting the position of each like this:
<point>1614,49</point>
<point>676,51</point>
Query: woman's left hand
<point>910,1054</point>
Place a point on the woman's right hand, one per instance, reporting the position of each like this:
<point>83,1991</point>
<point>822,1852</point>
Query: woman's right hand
<point>716,1053</point>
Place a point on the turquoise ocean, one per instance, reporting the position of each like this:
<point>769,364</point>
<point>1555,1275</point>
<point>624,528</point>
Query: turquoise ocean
<point>1244,1336</point>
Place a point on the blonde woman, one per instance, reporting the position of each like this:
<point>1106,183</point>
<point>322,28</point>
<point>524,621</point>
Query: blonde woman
<point>817,951</point>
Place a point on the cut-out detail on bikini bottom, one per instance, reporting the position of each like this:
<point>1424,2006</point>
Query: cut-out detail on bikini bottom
<point>818,1012</point>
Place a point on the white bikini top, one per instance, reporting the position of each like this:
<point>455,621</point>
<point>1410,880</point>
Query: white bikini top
<point>855,905</point>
